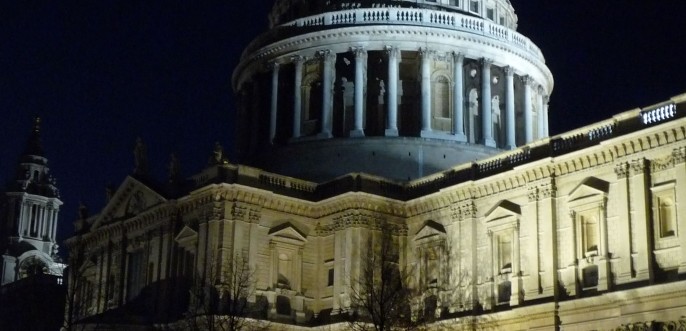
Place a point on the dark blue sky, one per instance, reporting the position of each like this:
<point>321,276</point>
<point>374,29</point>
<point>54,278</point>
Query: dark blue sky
<point>101,73</point>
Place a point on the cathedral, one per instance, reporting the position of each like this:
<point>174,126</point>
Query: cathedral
<point>421,125</point>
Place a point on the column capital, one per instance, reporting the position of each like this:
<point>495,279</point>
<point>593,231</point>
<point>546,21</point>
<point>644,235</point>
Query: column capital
<point>486,62</point>
<point>540,89</point>
<point>273,65</point>
<point>458,57</point>
<point>359,52</point>
<point>425,52</point>
<point>326,55</point>
<point>546,99</point>
<point>527,80</point>
<point>392,51</point>
<point>297,59</point>
<point>509,71</point>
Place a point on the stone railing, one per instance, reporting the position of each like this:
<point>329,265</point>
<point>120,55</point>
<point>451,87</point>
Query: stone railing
<point>422,17</point>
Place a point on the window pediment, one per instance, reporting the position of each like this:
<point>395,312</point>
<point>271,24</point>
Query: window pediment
<point>288,233</point>
<point>187,237</point>
<point>503,211</point>
<point>430,231</point>
<point>591,187</point>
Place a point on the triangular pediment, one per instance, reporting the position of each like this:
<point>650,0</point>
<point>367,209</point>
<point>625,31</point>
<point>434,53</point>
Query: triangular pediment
<point>186,234</point>
<point>430,229</point>
<point>503,209</point>
<point>130,199</point>
<point>289,232</point>
<point>590,187</point>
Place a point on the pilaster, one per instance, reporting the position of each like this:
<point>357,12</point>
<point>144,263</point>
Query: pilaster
<point>640,220</point>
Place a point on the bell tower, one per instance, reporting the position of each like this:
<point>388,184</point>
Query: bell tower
<point>30,208</point>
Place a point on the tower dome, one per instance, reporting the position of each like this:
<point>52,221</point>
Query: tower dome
<point>400,89</point>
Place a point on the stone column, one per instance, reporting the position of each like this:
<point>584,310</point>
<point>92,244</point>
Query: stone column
<point>487,122</point>
<point>360,73</point>
<point>528,117</point>
<point>54,224</point>
<point>458,97</point>
<point>546,132</point>
<point>41,222</point>
<point>425,55</point>
<point>297,95</point>
<point>329,60</point>
<point>392,116</point>
<point>541,118</point>
<point>516,278</point>
<point>511,141</point>
<point>275,101</point>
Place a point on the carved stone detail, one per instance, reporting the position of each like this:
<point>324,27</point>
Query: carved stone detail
<point>622,170</point>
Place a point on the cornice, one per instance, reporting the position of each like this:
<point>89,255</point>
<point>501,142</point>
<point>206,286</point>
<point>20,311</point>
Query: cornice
<point>326,38</point>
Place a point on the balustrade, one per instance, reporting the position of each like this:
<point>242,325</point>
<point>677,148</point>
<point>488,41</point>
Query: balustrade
<point>408,16</point>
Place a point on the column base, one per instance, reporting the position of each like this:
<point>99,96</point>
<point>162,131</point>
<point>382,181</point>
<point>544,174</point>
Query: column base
<point>510,147</point>
<point>461,137</point>
<point>391,133</point>
<point>357,133</point>
<point>488,142</point>
<point>324,135</point>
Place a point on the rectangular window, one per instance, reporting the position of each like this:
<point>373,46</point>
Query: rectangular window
<point>330,279</point>
<point>454,2</point>
<point>490,14</point>
<point>502,20</point>
<point>589,224</point>
<point>474,6</point>
<point>505,252</point>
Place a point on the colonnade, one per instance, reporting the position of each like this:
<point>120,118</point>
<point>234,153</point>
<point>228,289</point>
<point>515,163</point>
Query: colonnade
<point>38,221</point>
<point>427,57</point>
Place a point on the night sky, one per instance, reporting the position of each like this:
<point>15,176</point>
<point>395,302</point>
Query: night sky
<point>101,73</point>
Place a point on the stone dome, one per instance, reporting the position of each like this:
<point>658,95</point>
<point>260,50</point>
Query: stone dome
<point>391,88</point>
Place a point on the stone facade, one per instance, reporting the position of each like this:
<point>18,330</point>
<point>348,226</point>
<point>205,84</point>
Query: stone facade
<point>427,120</point>
<point>581,230</point>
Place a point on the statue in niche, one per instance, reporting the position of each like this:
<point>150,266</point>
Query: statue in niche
<point>140,155</point>
<point>495,117</point>
<point>473,106</point>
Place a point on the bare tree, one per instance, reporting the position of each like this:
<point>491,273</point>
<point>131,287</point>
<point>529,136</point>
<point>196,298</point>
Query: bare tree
<point>80,291</point>
<point>380,297</point>
<point>220,299</point>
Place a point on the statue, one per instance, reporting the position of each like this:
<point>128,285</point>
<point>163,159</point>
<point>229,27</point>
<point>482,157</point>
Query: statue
<point>140,158</point>
<point>218,157</point>
<point>495,119</point>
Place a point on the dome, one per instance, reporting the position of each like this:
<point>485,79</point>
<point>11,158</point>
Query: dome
<point>399,89</point>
